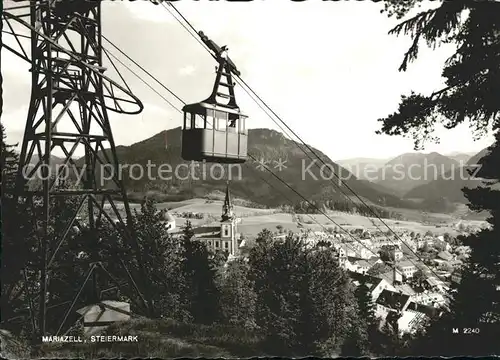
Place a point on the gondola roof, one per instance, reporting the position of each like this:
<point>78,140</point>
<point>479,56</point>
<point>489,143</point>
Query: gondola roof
<point>202,107</point>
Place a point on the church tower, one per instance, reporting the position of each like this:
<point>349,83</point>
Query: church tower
<point>228,237</point>
<point>227,208</point>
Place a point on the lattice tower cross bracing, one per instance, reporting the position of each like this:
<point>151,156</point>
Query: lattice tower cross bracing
<point>68,110</point>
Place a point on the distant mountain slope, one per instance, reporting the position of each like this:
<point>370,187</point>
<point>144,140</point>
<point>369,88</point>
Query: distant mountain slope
<point>54,160</point>
<point>298,171</point>
<point>410,170</point>
<point>449,186</point>
<point>362,168</point>
<point>461,158</point>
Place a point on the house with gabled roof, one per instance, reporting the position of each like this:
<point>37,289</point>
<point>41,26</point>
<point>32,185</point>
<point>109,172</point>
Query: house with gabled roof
<point>445,255</point>
<point>408,268</point>
<point>375,285</point>
<point>391,301</point>
<point>361,265</point>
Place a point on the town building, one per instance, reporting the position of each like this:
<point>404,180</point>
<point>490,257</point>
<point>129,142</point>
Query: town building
<point>375,285</point>
<point>410,320</point>
<point>400,312</point>
<point>391,301</point>
<point>398,254</point>
<point>414,316</point>
<point>435,284</point>
<point>445,255</point>
<point>381,242</point>
<point>456,276</point>
<point>433,299</point>
<point>408,268</point>
<point>360,265</point>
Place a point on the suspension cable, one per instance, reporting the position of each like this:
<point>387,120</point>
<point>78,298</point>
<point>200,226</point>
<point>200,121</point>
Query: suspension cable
<point>248,89</point>
<point>270,171</point>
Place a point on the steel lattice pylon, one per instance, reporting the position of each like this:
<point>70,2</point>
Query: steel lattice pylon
<point>70,99</point>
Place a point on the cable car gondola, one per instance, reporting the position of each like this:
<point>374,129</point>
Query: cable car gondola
<point>215,131</point>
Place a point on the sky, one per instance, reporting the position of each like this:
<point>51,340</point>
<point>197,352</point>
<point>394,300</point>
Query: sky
<point>328,69</point>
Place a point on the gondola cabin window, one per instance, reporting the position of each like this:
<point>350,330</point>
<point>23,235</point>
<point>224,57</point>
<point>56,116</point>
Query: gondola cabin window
<point>195,121</point>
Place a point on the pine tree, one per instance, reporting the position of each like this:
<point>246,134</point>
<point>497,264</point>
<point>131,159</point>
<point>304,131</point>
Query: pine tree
<point>471,73</point>
<point>304,300</point>
<point>187,231</point>
<point>199,272</point>
<point>366,306</point>
<point>9,160</point>
<point>238,298</point>
<point>163,255</point>
<point>357,343</point>
<point>19,241</point>
<point>277,300</point>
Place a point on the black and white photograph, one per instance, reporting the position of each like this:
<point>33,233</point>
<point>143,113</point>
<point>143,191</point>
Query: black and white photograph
<point>250,178</point>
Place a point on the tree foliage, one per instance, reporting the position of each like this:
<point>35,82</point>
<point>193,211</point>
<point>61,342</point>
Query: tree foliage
<point>163,255</point>
<point>238,298</point>
<point>304,299</point>
<point>199,270</point>
<point>471,73</point>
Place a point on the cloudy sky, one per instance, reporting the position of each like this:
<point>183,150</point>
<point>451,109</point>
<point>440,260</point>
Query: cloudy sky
<point>329,69</point>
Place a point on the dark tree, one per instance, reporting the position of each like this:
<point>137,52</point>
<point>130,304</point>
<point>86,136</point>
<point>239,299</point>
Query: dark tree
<point>364,329</point>
<point>387,253</point>
<point>18,236</point>
<point>163,254</point>
<point>9,160</point>
<point>199,272</point>
<point>304,300</point>
<point>238,298</point>
<point>377,269</point>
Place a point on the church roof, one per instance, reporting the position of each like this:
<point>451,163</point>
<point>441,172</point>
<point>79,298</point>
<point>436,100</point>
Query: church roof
<point>204,232</point>
<point>227,208</point>
<point>227,199</point>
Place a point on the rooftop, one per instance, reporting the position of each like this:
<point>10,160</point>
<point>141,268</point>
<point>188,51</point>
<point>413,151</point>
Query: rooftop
<point>388,276</point>
<point>425,309</point>
<point>393,300</point>
<point>373,260</point>
<point>406,263</point>
<point>370,281</point>
<point>445,255</point>
<point>405,289</point>
<point>206,232</point>
<point>361,262</point>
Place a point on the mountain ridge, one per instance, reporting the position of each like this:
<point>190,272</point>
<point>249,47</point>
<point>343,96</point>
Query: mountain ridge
<point>449,187</point>
<point>410,170</point>
<point>311,178</point>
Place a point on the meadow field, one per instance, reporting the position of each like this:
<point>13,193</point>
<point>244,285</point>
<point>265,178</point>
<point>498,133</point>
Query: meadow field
<point>252,221</point>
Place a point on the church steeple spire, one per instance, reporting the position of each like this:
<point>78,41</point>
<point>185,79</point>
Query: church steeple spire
<point>227,208</point>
